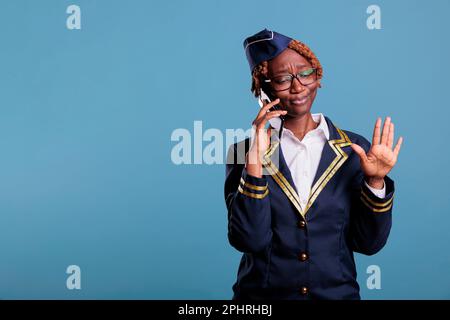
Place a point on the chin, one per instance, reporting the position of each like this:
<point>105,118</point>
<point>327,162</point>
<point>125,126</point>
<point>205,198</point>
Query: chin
<point>296,111</point>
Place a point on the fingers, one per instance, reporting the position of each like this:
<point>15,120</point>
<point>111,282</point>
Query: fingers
<point>274,114</point>
<point>391,136</point>
<point>376,132</point>
<point>385,133</point>
<point>266,107</point>
<point>359,151</point>
<point>398,146</point>
<point>386,136</point>
<point>260,122</point>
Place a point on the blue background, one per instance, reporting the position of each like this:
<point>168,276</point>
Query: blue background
<point>86,117</point>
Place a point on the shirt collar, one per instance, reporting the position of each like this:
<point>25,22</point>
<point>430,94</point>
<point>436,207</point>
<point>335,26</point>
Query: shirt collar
<point>317,118</point>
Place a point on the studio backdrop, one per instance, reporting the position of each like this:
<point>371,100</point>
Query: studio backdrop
<point>116,116</point>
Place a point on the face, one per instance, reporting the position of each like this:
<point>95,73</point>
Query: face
<point>298,99</point>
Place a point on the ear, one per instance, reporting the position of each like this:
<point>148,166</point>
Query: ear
<point>320,85</point>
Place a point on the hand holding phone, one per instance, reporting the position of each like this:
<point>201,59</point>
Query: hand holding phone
<point>260,139</point>
<point>264,100</point>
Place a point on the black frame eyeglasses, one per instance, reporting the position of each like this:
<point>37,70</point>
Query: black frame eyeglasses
<point>284,82</point>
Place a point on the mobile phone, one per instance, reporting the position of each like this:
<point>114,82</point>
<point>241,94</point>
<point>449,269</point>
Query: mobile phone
<point>274,122</point>
<point>265,97</point>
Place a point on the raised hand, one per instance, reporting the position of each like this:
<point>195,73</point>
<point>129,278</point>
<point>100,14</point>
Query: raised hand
<point>261,138</point>
<point>381,158</point>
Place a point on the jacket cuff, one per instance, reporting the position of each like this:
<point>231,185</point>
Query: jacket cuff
<point>253,187</point>
<point>380,193</point>
<point>375,203</point>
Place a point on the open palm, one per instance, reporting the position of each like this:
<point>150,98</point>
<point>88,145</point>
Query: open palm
<point>381,158</point>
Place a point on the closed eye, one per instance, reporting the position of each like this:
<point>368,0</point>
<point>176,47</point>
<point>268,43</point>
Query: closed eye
<point>306,73</point>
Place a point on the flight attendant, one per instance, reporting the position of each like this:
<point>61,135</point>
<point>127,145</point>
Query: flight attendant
<point>303,195</point>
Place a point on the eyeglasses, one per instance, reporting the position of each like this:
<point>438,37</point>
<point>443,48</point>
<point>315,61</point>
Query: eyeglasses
<point>284,82</point>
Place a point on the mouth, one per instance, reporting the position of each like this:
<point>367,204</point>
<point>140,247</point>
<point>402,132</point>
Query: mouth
<point>300,101</point>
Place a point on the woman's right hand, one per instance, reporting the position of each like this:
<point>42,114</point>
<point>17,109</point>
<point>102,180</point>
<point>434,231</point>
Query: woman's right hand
<point>260,139</point>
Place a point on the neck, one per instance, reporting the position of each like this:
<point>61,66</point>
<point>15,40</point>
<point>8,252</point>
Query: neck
<point>300,125</point>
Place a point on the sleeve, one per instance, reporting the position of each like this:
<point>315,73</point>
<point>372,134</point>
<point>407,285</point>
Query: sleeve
<point>370,216</point>
<point>248,205</point>
<point>380,193</point>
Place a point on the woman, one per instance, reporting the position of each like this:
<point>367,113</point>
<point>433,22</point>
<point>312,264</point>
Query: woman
<point>303,195</point>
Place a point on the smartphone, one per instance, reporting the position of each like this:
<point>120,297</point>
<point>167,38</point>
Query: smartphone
<point>265,97</point>
<point>274,122</point>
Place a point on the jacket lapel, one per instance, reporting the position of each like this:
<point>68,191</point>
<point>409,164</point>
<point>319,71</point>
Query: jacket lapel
<point>331,160</point>
<point>275,165</point>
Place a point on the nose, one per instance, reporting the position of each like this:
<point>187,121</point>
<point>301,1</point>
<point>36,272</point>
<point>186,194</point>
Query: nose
<point>296,85</point>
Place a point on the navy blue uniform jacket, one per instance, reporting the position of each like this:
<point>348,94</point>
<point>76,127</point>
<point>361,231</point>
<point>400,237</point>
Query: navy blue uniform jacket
<point>292,254</point>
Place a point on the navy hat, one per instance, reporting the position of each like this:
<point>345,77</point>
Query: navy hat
<point>264,45</point>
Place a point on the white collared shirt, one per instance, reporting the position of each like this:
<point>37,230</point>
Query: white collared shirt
<point>303,157</point>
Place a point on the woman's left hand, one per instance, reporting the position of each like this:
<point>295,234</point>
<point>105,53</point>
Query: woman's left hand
<point>381,158</point>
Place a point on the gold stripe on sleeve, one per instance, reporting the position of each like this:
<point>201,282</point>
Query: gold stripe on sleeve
<point>375,209</point>
<point>374,203</point>
<point>253,195</point>
<point>252,186</point>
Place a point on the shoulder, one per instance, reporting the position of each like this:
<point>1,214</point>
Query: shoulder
<point>348,135</point>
